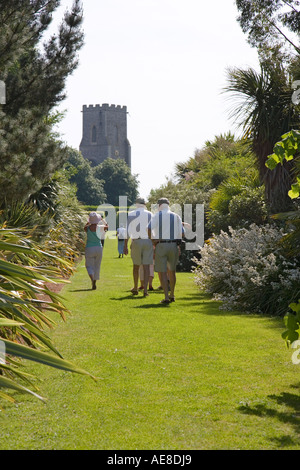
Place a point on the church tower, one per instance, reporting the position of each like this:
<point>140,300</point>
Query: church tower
<point>104,133</point>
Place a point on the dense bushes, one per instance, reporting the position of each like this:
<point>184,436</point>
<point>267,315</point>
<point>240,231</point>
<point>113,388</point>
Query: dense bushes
<point>248,270</point>
<point>236,207</point>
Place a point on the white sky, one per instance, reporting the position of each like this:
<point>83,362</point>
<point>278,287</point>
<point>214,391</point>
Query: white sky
<point>166,61</point>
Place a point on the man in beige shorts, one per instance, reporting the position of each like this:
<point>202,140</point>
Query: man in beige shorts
<point>166,231</point>
<point>141,245</point>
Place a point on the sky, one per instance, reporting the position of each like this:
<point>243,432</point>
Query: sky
<point>167,61</point>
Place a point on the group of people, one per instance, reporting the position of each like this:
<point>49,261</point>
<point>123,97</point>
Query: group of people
<point>155,243</point>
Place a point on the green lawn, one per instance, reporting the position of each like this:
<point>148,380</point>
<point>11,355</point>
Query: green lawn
<point>182,376</point>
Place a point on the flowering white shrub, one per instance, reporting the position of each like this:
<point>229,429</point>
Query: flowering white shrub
<point>246,269</point>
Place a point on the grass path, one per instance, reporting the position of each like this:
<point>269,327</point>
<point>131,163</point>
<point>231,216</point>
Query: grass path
<point>183,376</point>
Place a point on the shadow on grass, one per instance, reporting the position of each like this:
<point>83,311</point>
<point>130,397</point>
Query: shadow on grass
<point>140,297</point>
<point>80,290</point>
<point>159,305</point>
<point>290,416</point>
<point>209,306</point>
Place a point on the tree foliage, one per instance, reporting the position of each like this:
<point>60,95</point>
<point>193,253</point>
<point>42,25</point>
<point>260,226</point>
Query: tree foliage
<point>117,180</point>
<point>270,24</point>
<point>35,76</point>
<point>35,196</point>
<point>90,190</point>
<point>263,108</point>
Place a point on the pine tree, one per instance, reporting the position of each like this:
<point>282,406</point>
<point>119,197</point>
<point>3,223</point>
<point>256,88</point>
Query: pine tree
<point>35,74</point>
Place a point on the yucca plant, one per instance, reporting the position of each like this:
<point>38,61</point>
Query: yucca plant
<point>263,108</point>
<point>25,274</point>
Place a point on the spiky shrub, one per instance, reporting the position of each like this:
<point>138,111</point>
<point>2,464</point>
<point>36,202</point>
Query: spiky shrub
<point>25,275</point>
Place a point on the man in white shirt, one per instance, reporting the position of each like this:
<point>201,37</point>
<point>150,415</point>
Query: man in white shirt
<point>166,231</point>
<point>141,245</point>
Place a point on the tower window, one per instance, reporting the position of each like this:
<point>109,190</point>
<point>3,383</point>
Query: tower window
<point>94,134</point>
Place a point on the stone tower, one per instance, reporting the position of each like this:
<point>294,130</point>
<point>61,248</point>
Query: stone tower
<point>104,133</point>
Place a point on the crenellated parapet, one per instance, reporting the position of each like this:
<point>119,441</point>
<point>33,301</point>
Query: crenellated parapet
<point>104,107</point>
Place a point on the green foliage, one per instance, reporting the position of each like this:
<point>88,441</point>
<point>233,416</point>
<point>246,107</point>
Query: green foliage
<point>222,171</point>
<point>52,216</point>
<point>26,272</point>
<point>248,207</point>
<point>90,189</point>
<point>292,323</point>
<point>117,180</point>
<point>41,218</point>
<point>286,150</point>
<point>270,24</point>
<point>215,163</point>
<point>238,202</point>
<point>27,218</point>
<point>263,107</point>
<point>35,76</point>
<point>29,155</point>
<point>179,193</point>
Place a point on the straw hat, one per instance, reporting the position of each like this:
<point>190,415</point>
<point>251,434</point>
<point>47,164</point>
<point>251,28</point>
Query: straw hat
<point>94,218</point>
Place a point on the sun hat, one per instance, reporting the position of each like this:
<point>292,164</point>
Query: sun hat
<point>94,218</point>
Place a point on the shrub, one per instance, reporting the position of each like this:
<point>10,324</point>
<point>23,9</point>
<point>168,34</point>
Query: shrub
<point>246,269</point>
<point>25,276</point>
<point>238,202</point>
<point>248,207</point>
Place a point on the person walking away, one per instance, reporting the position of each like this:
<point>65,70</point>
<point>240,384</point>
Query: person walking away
<point>102,228</point>
<point>141,246</point>
<point>166,231</point>
<point>121,235</point>
<point>93,248</point>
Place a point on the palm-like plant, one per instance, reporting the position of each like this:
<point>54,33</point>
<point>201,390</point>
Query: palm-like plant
<point>265,111</point>
<point>24,314</point>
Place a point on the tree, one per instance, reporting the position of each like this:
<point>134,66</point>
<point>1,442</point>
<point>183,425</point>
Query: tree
<point>118,180</point>
<point>265,111</point>
<point>218,160</point>
<point>270,24</point>
<point>89,188</point>
<point>30,154</point>
<point>35,77</point>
